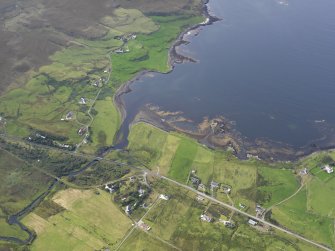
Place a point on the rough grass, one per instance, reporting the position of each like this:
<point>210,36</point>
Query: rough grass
<point>91,221</point>
<point>142,241</point>
<point>166,215</point>
<point>130,21</point>
<point>11,230</point>
<point>146,142</point>
<point>19,183</point>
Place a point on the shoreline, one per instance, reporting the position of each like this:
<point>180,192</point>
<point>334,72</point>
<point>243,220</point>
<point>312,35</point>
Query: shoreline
<point>173,59</point>
<point>244,148</point>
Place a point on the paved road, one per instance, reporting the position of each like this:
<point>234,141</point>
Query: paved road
<point>246,214</point>
<point>193,190</point>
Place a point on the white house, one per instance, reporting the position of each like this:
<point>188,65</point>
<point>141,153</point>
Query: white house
<point>329,169</point>
<point>164,197</point>
<point>252,222</point>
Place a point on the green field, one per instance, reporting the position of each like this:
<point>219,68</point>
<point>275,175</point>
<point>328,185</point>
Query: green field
<point>295,215</point>
<point>105,124</point>
<point>251,181</point>
<point>311,211</point>
<point>183,159</point>
<point>318,197</point>
<point>275,185</point>
<point>89,221</point>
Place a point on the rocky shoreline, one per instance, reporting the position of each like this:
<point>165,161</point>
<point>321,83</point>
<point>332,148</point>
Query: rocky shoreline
<point>231,138</point>
<point>174,58</point>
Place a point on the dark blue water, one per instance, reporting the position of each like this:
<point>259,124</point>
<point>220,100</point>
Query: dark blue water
<point>268,66</point>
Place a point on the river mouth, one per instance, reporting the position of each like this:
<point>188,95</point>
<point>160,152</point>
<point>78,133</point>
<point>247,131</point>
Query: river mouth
<point>265,70</point>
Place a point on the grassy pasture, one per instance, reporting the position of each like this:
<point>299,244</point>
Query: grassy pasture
<point>105,123</point>
<point>203,164</point>
<point>90,221</point>
<point>182,162</point>
<point>319,194</point>
<point>295,215</point>
<point>276,184</point>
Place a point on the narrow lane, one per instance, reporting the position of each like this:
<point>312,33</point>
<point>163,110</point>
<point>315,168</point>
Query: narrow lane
<point>247,214</point>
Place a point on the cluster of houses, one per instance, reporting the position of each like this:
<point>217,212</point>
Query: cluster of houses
<point>216,185</point>
<point>125,38</point>
<point>326,168</point>
<point>49,140</point>
<point>223,219</point>
<point>196,182</point>
<point>98,82</point>
<point>111,188</point>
